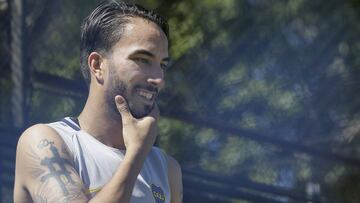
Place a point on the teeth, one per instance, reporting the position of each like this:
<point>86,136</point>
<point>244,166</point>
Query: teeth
<point>146,95</point>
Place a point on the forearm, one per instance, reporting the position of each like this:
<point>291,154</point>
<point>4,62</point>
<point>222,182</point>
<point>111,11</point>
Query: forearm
<point>139,136</point>
<point>120,187</point>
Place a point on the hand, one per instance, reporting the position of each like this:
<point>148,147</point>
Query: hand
<point>138,134</point>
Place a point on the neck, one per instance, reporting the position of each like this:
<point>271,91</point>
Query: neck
<point>97,120</point>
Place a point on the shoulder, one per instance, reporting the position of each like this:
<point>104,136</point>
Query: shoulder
<point>175,179</point>
<point>173,165</point>
<point>34,144</point>
<point>44,167</point>
<point>31,149</point>
<point>36,133</point>
<point>36,137</point>
<point>39,136</point>
<point>174,176</point>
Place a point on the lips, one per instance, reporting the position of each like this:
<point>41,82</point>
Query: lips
<point>147,96</point>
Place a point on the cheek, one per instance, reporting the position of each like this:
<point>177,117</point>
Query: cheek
<point>129,72</point>
<point>133,76</point>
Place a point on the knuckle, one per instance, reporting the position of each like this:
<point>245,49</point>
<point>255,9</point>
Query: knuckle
<point>123,108</point>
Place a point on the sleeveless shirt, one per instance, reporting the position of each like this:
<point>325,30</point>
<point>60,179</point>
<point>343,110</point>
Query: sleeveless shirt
<point>96,163</point>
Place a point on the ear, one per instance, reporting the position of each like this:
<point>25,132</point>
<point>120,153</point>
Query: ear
<point>95,63</point>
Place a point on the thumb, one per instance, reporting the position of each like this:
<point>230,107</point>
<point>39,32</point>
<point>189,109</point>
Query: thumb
<point>123,108</point>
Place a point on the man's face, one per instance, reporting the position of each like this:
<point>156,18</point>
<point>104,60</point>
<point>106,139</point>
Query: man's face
<point>136,66</point>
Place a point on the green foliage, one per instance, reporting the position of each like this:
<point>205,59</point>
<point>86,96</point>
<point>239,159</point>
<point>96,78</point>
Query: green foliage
<point>348,186</point>
<point>174,134</point>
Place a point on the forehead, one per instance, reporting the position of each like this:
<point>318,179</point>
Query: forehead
<point>143,34</point>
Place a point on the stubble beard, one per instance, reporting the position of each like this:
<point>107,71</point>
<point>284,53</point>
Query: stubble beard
<point>119,87</point>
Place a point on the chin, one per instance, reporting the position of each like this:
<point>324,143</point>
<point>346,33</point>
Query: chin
<point>141,112</point>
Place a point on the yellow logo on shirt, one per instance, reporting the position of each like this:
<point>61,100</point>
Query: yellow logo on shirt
<point>158,194</point>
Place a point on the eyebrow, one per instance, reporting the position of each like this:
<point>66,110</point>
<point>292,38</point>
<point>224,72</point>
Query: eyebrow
<point>149,54</point>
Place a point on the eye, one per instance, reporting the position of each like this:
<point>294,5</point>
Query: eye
<point>164,66</point>
<point>143,60</point>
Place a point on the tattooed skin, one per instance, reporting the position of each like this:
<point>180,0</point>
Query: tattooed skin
<point>39,199</point>
<point>44,143</point>
<point>55,175</point>
<point>61,175</point>
<point>35,171</point>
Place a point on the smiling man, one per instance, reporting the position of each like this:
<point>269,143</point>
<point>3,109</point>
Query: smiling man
<point>106,154</point>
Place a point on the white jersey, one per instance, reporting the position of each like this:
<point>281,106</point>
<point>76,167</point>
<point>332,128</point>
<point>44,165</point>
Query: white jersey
<point>96,163</point>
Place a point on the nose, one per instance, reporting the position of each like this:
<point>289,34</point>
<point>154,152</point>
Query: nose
<point>157,82</point>
<point>156,76</point>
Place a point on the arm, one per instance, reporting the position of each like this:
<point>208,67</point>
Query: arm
<point>45,171</point>
<point>175,180</point>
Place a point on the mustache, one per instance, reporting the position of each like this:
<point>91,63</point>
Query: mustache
<point>148,87</point>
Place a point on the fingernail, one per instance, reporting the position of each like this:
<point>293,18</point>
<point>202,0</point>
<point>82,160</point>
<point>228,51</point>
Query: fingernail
<point>119,99</point>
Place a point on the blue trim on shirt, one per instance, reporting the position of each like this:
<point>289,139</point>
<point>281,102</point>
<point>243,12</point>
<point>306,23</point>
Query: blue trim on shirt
<point>72,125</point>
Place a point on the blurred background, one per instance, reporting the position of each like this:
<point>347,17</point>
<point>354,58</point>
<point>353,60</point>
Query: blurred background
<point>262,102</point>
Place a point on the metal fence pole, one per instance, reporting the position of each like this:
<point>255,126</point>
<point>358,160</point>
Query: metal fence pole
<point>18,72</point>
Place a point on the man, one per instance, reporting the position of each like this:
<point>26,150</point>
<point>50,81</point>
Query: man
<point>106,154</point>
